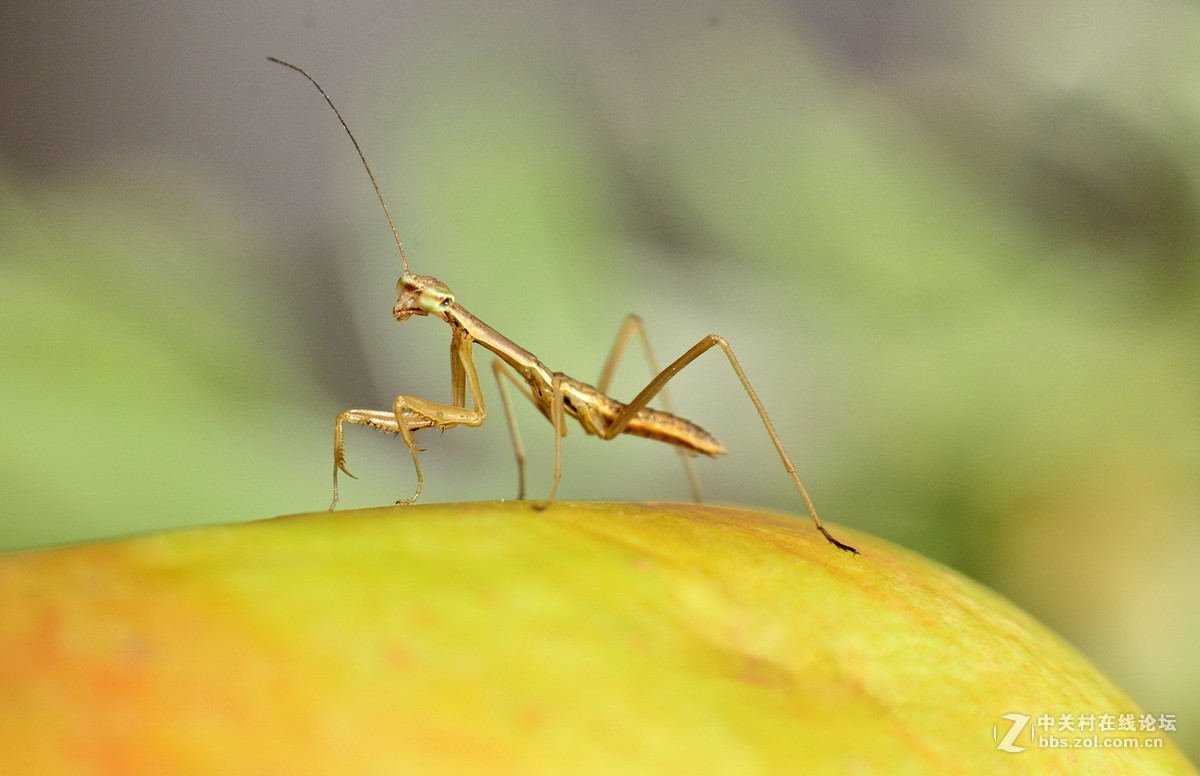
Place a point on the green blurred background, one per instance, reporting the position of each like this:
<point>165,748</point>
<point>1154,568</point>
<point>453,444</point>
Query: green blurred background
<point>955,246</point>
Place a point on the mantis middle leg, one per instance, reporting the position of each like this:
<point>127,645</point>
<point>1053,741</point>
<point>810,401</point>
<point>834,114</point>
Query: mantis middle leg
<point>555,415</point>
<point>633,325</point>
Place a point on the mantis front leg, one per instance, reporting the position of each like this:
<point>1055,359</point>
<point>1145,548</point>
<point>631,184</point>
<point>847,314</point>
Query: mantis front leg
<point>411,413</point>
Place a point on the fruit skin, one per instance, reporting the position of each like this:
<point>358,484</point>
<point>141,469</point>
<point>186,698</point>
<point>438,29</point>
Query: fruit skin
<point>492,638</point>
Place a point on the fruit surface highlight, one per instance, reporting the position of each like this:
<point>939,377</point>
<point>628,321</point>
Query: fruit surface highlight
<point>491,638</point>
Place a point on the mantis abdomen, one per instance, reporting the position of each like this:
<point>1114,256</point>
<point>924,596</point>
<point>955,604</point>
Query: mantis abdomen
<point>595,411</point>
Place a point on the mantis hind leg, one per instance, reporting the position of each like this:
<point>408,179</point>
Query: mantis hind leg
<point>634,325</point>
<point>659,383</point>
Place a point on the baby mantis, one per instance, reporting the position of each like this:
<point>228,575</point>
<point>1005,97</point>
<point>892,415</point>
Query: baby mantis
<point>555,394</point>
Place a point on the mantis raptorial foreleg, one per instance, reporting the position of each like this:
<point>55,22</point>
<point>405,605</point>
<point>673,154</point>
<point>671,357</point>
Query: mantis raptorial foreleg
<point>402,424</point>
<point>411,413</point>
<point>634,325</point>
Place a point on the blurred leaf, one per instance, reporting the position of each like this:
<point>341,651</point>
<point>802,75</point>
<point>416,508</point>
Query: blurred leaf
<point>138,389</point>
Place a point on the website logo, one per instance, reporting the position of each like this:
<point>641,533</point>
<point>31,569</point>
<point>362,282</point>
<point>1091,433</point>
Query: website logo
<point>1082,730</point>
<point>1006,744</point>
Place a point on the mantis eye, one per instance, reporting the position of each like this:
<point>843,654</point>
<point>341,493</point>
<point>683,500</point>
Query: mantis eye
<point>435,300</point>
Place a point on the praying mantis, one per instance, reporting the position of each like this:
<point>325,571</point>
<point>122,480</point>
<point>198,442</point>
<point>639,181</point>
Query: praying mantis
<point>554,394</point>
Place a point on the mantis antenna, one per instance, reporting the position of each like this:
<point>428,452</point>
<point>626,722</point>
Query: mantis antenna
<point>361,156</point>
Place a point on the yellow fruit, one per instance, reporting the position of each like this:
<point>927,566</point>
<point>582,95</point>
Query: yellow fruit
<point>494,639</point>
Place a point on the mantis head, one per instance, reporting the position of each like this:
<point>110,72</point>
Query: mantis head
<point>421,295</point>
